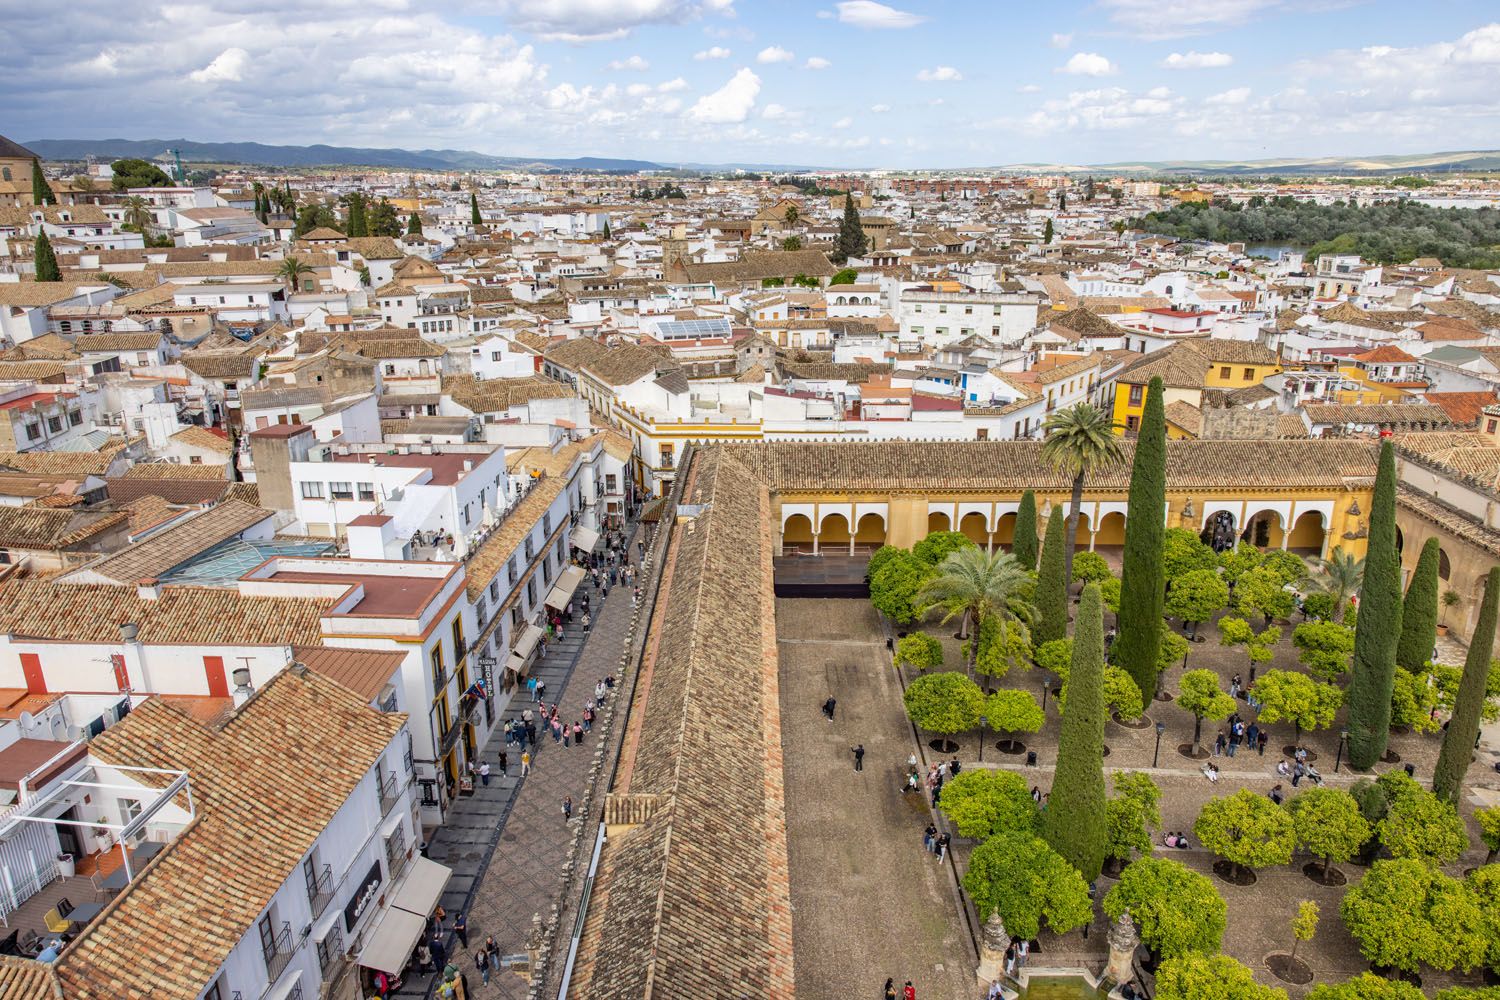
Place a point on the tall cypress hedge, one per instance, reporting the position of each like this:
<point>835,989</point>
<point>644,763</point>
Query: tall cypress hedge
<point>1419,612</point>
<point>1052,586</point>
<point>1378,627</point>
<point>1463,727</point>
<point>1025,544</point>
<point>41,191</point>
<point>45,260</point>
<point>1142,587</point>
<point>1074,821</point>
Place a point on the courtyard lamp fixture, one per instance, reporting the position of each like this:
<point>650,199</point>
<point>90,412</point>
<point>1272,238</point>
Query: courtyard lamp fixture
<point>1046,686</point>
<point>1161,727</point>
<point>1343,738</point>
<point>983,721</point>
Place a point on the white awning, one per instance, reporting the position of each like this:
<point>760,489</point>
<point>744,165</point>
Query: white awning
<point>585,538</point>
<point>389,943</point>
<point>527,642</point>
<point>421,887</point>
<point>562,591</point>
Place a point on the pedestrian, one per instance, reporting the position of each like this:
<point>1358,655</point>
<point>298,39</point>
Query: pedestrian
<point>531,687</point>
<point>484,779</point>
<point>1261,741</point>
<point>908,992</point>
<point>859,756</point>
<point>828,707</point>
<point>1252,735</point>
<point>1298,770</point>
<point>1036,795</point>
<point>942,847</point>
<point>482,963</point>
<point>586,621</point>
<point>1220,743</point>
<point>1234,743</point>
<point>567,731</point>
<point>541,689</point>
<point>424,957</point>
<point>929,838</point>
<point>504,761</point>
<point>588,718</point>
<point>525,763</point>
<point>890,989</point>
<point>439,950</point>
<point>567,808</point>
<point>1234,686</point>
<point>577,733</point>
<point>953,768</point>
<point>1010,961</point>
<point>1276,795</point>
<point>556,728</point>
<point>1022,951</point>
<point>461,928</point>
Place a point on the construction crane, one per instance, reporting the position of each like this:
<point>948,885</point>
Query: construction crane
<point>181,174</point>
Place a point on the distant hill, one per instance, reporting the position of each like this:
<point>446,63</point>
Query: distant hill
<point>320,155</point>
<point>1418,163</point>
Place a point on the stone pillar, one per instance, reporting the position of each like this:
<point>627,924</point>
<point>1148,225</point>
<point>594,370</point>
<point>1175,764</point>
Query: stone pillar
<point>993,940</point>
<point>1123,941</point>
<point>815,543</point>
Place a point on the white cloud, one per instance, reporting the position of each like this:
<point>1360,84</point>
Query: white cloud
<point>632,64</point>
<point>816,62</point>
<point>843,122</point>
<point>597,20</point>
<point>773,54</point>
<point>1236,96</point>
<point>731,102</point>
<point>771,112</point>
<point>1197,60</point>
<point>880,109</point>
<point>1156,19</point>
<point>1061,41</point>
<point>939,74</point>
<point>1088,64</point>
<point>869,14</point>
<point>676,83</point>
<point>716,52</point>
<point>228,67</point>
<point>1029,88</point>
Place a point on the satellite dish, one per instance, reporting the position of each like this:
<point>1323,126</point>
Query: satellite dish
<point>26,719</point>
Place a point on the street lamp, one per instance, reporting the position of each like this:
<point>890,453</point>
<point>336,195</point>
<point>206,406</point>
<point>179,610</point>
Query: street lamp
<point>1337,760</point>
<point>1161,727</point>
<point>1046,684</point>
<point>983,721</point>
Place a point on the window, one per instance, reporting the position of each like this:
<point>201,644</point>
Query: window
<point>267,938</point>
<point>1489,427</point>
<point>213,992</point>
<point>546,524</point>
<point>367,491</point>
<point>531,591</point>
<point>341,491</point>
<point>494,590</point>
<point>666,456</point>
<point>458,637</point>
<point>1249,374</point>
<point>55,424</point>
<point>390,369</point>
<point>1136,392</point>
<point>33,431</point>
<point>129,809</point>
<point>312,491</point>
<point>1132,422</point>
<point>439,671</point>
<point>1224,371</point>
<point>330,946</point>
<point>609,479</point>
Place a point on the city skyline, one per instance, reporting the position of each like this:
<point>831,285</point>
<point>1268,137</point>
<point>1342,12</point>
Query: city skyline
<point>847,84</point>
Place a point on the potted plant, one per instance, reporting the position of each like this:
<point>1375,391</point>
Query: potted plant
<point>1450,598</point>
<point>65,866</point>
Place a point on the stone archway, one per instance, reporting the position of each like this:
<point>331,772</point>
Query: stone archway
<point>870,532</point>
<point>1309,534</point>
<point>797,534</point>
<point>938,521</point>
<point>833,534</point>
<point>1111,533</point>
<point>1445,565</point>
<point>1005,531</point>
<point>1220,531</point>
<point>975,527</point>
<point>1264,529</point>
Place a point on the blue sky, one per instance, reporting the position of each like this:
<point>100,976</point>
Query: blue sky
<point>938,83</point>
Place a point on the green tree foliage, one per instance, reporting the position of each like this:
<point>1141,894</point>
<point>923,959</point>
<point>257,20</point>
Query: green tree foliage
<point>1247,830</point>
<point>1027,882</point>
<point>1173,648</point>
<point>1287,566</point>
<point>44,259</point>
<point>1419,825</point>
<point>1468,993</point>
<point>1141,583</point>
<point>1047,232</point>
<point>937,546</point>
<point>852,241</point>
<point>137,173</point>
<point>1413,700</point>
<point>1448,679</point>
<point>845,276</point>
<point>1074,823</point>
<point>1324,647</point>
<point>356,222</point>
<point>1419,611</point>
<point>1130,816</point>
<point>1484,883</point>
<point>1182,552</point>
<point>1489,830</point>
<point>294,272</point>
<point>791,243</point>
<point>1196,596</point>
<point>1287,696</point>
<point>1210,977</point>
<point>1177,910</point>
<point>310,217</point>
<point>1198,692</point>
<point>41,191</point>
<point>1318,606</point>
<point>1259,646</point>
<point>1236,562</point>
<point>982,803</point>
<point>1051,621</point>
<point>895,586</point>
<point>414,225</point>
<point>1385,232</point>
<point>383,219</point>
<point>1121,696</point>
<point>1262,591</point>
<point>474,217</point>
<point>1089,567</point>
<point>919,651</point>
<point>1079,440</point>
<point>1379,626</point>
<point>1025,545</point>
<point>880,557</point>
<point>944,703</point>
<point>1014,711</point>
<point>1304,924</point>
<point>1109,590</point>
<point>1407,914</point>
<point>1463,727</point>
<point>1328,823</point>
<point>1337,578</point>
<point>1004,645</point>
<point>980,585</point>
<point>1367,986</point>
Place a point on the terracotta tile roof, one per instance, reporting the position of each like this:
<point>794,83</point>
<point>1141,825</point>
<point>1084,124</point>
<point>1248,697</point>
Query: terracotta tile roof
<point>1221,350</point>
<point>1178,367</point>
<point>177,470</point>
<point>626,364</point>
<point>26,979</point>
<point>518,522</point>
<point>93,463</point>
<point>695,894</point>
<point>1413,416</point>
<point>493,395</point>
<point>363,671</point>
<point>88,612</point>
<point>571,354</point>
<point>49,528</point>
<point>1384,354</point>
<point>202,437</point>
<point>830,371</point>
<point>1084,322</point>
<point>1185,415</point>
<point>759,266</point>
<point>174,491</point>
<point>1464,454</point>
<point>1463,408</point>
<point>265,785</point>
<point>229,364</point>
<point>27,370</point>
<point>1013,466</point>
<point>47,347</point>
<point>148,341</point>
<point>1454,522</point>
<point>157,555</point>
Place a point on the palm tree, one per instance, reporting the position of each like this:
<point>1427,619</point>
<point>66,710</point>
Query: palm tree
<point>137,213</point>
<point>977,584</point>
<point>1079,440</point>
<point>1339,576</point>
<point>292,271</point>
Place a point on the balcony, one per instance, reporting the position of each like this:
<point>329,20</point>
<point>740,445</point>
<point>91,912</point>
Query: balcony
<point>278,955</point>
<point>320,891</point>
<point>395,855</point>
<point>390,791</point>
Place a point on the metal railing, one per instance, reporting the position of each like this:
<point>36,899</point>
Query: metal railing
<point>320,891</point>
<point>395,854</point>
<point>390,791</point>
<point>279,956</point>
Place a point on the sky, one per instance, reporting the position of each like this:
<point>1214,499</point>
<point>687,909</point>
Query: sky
<point>851,83</point>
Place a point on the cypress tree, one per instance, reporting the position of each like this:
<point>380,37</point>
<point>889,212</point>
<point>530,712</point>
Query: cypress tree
<point>1052,587</point>
<point>606,229</point>
<point>414,225</point>
<point>1074,821</point>
<point>45,259</point>
<point>262,209</point>
<point>1047,232</point>
<point>1023,547</point>
<point>1419,612</point>
<point>1463,727</point>
<point>852,241</point>
<point>41,191</point>
<point>1378,627</point>
<point>1142,583</point>
<point>474,216</point>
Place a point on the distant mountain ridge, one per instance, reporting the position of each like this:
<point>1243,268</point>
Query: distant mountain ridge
<point>1424,163</point>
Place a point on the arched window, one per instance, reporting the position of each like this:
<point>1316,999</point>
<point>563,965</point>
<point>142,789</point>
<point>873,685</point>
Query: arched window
<point>5,172</point>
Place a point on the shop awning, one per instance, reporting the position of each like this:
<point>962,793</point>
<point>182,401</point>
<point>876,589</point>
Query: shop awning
<point>421,887</point>
<point>518,664</point>
<point>585,538</point>
<point>562,591</point>
<point>527,642</point>
<point>390,942</point>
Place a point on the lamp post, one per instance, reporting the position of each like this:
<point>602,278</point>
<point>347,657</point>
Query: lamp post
<point>1046,684</point>
<point>983,721</point>
<point>1339,759</point>
<point>1161,727</point>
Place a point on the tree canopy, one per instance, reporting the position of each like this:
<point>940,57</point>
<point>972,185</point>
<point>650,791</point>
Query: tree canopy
<point>1259,646</point>
<point>1027,882</point>
<point>1210,977</point>
<point>1421,826</point>
<point>981,803</point>
<point>1378,626</point>
<point>938,545</point>
<point>1406,914</point>
<point>1463,727</point>
<point>132,172</point>
<point>1130,815</point>
<point>1324,647</point>
<point>919,650</point>
<point>1011,710</point>
<point>1328,823</point>
<point>1178,910</point>
<point>1196,596</point>
<point>895,585</point>
<point>1367,986</point>
<point>1074,822</point>
<point>1247,830</point>
<point>1263,591</point>
<point>1287,696</point>
<point>1198,692</point>
<point>1182,552</point>
<point>944,703</point>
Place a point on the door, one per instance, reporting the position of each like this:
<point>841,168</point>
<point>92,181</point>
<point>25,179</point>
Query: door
<point>31,668</point>
<point>218,684</point>
<point>67,836</point>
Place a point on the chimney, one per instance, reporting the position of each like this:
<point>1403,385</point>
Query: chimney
<point>242,689</point>
<point>148,588</point>
<point>468,465</point>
